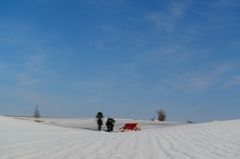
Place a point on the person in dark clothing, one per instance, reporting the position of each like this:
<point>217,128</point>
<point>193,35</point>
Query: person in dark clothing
<point>110,124</point>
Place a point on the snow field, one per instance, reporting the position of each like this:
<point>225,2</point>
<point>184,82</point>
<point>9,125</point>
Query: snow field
<point>22,139</point>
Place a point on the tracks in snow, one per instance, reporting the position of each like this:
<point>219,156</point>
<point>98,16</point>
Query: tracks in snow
<point>210,140</point>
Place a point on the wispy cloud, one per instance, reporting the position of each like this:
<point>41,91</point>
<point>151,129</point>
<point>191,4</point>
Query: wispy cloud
<point>167,20</point>
<point>223,3</point>
<point>114,35</point>
<point>101,45</point>
<point>28,64</point>
<point>218,77</point>
<point>177,9</point>
<point>35,71</point>
<point>170,53</point>
<point>36,63</point>
<point>31,72</point>
<point>200,82</point>
<point>191,33</point>
<point>233,81</point>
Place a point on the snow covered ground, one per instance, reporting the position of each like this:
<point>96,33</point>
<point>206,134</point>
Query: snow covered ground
<point>77,138</point>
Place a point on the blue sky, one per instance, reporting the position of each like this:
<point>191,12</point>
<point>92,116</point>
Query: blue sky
<point>124,58</point>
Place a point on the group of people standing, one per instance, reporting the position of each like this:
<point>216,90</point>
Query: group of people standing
<point>110,122</point>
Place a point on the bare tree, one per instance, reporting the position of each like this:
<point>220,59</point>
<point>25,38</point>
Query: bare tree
<point>36,113</point>
<point>161,115</point>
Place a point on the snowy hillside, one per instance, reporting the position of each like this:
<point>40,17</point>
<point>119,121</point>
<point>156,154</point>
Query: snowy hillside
<point>78,138</point>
